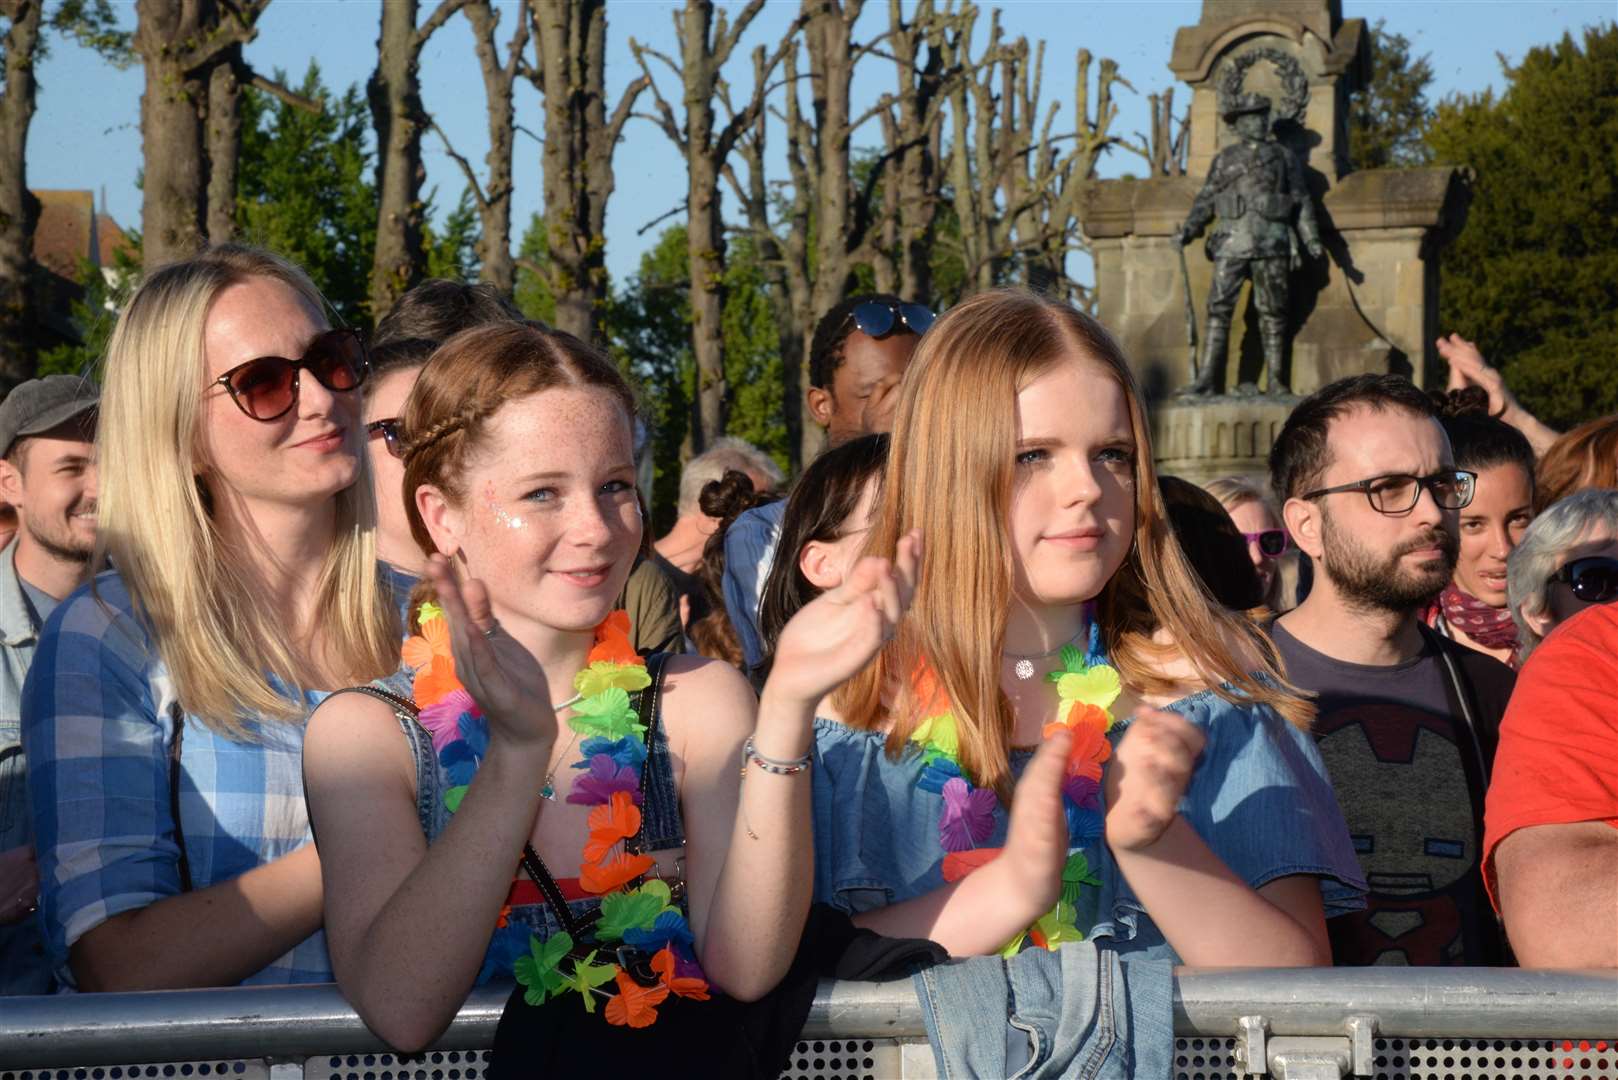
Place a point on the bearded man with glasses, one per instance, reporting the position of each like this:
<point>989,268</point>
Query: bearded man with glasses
<point>1408,720</point>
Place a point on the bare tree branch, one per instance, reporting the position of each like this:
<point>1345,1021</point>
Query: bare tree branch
<point>270,86</point>
<point>441,15</point>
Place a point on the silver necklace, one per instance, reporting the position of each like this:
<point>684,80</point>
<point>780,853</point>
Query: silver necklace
<point>1024,667</point>
<point>548,792</point>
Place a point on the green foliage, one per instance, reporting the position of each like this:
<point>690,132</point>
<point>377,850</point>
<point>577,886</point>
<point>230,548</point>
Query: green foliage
<point>452,246</point>
<point>649,331</point>
<point>1533,277</point>
<point>649,327</point>
<point>531,292</point>
<point>95,313</point>
<point>304,188</point>
<point>752,353</point>
<point>1387,117</point>
<point>94,25</point>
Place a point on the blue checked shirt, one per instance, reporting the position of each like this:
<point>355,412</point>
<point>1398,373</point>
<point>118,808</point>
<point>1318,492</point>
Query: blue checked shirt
<point>98,715</point>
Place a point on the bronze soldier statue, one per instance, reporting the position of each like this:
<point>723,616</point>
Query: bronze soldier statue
<point>1257,190</point>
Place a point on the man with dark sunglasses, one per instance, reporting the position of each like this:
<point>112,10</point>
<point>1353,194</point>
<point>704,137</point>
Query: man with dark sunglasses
<point>1407,719</point>
<point>858,355</point>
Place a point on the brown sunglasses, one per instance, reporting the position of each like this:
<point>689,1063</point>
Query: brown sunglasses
<point>266,388</point>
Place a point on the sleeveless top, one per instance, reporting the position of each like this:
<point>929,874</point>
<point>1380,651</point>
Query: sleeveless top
<point>662,828</point>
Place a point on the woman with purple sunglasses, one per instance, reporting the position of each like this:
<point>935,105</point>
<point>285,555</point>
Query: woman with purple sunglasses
<point>1268,545</point>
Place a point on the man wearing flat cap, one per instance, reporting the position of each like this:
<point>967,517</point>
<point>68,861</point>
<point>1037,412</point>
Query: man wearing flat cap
<point>1257,190</point>
<point>48,473</point>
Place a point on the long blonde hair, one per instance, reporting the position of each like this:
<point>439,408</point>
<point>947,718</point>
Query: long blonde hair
<point>951,473</point>
<point>215,634</point>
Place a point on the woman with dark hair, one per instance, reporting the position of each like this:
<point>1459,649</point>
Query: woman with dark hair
<point>1472,609</point>
<point>724,500</point>
<point>823,529</point>
<point>1216,548</point>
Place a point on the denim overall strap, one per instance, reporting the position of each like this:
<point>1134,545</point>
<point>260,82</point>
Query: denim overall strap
<point>661,827</point>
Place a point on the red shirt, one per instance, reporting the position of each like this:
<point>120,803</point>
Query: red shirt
<point>1558,757</point>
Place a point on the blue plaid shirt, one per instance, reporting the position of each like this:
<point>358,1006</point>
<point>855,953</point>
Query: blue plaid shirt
<point>98,714</point>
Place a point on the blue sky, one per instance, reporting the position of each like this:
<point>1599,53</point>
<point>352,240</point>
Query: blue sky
<point>86,133</point>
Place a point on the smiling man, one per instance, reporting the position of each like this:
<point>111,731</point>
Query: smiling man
<point>48,473</point>
<point>1408,720</point>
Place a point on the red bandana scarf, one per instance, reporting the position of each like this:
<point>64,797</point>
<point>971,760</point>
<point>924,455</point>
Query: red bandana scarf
<point>1490,627</point>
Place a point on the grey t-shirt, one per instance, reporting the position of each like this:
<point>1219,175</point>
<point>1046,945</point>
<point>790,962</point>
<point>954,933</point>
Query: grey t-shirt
<point>1408,776</point>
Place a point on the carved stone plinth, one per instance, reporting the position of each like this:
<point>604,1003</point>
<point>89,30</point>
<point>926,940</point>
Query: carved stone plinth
<point>1216,437</point>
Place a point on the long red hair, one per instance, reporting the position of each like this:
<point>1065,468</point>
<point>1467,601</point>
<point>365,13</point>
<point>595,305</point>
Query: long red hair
<point>951,474</point>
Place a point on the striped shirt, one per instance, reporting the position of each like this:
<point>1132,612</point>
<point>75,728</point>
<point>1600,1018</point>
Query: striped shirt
<point>98,723</point>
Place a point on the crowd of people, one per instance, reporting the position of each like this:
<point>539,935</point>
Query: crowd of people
<point>330,659</point>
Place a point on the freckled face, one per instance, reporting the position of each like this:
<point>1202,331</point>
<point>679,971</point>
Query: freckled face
<point>1073,504</point>
<point>550,521</point>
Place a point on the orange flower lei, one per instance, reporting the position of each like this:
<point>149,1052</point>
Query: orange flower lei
<point>613,752</point>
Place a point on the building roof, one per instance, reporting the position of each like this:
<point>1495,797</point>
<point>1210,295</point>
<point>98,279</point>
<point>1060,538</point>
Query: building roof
<point>70,231</point>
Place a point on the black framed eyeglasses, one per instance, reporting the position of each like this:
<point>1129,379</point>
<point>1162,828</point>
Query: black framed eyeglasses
<point>1271,542</point>
<point>388,428</point>
<point>1398,493</point>
<point>266,388</point>
<point>1593,579</point>
<point>877,318</point>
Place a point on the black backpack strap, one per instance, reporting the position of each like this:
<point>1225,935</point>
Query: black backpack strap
<point>174,794</point>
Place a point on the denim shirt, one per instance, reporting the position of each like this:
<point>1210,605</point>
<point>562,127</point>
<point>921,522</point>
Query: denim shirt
<point>24,966</point>
<point>1260,799</point>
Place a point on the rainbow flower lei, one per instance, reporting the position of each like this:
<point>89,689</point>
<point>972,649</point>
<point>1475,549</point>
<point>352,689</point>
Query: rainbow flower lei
<point>613,751</point>
<point>1085,693</point>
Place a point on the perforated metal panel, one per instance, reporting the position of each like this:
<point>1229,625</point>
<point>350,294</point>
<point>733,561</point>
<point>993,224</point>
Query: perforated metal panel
<point>846,1059</point>
<point>230,1070</point>
<point>1494,1059</point>
<point>438,1065</point>
<point>1205,1059</point>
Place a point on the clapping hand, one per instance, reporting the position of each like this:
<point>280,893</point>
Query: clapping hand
<point>837,633</point>
<point>501,675</point>
<point>1036,835</point>
<point>1147,777</point>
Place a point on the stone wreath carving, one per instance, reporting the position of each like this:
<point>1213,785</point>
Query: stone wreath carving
<point>1294,83</point>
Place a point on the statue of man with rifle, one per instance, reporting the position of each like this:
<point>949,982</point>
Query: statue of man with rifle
<point>1256,189</point>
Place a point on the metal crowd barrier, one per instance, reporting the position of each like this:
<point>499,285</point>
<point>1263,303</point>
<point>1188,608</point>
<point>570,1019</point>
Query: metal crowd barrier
<point>1393,1023</point>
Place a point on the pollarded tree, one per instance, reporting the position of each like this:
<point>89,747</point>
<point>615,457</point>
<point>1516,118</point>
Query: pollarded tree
<point>395,96</point>
<point>191,52</point>
<point>22,46</point>
<point>570,39</point>
<point>707,40</point>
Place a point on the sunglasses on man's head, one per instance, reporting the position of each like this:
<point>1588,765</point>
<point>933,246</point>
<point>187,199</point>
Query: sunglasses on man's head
<point>1594,579</point>
<point>1271,542</point>
<point>877,318</point>
<point>266,388</point>
<point>388,428</point>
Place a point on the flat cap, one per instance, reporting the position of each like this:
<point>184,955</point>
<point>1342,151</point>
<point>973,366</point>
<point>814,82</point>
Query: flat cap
<point>39,405</point>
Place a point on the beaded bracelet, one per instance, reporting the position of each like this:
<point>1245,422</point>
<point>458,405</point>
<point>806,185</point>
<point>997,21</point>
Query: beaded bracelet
<point>777,766</point>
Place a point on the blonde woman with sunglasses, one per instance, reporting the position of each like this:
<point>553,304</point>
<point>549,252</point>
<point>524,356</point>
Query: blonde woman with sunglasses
<point>163,717</point>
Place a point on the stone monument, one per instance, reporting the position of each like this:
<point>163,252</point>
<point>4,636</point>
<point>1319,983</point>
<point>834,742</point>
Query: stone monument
<point>1370,304</point>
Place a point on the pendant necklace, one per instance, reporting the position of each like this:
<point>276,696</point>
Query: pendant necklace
<point>1024,667</point>
<point>548,792</point>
